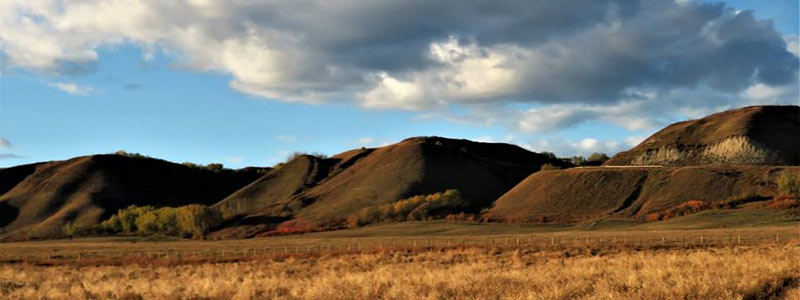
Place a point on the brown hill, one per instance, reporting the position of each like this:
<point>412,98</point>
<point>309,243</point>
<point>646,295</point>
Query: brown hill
<point>38,199</point>
<point>583,194</point>
<point>320,190</point>
<point>756,135</point>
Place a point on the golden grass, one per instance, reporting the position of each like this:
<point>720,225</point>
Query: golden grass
<point>663,155</point>
<point>737,149</point>
<point>733,150</point>
<point>710,273</point>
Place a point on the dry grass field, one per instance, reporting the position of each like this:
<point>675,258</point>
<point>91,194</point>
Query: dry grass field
<point>744,272</point>
<point>418,261</point>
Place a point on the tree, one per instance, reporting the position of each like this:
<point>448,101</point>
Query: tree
<point>597,158</point>
<point>789,183</point>
<point>195,220</point>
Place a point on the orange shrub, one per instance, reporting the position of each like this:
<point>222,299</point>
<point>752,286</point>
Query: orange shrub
<point>783,202</point>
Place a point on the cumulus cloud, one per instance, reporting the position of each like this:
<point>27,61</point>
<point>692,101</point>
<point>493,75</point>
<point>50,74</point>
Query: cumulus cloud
<point>71,88</point>
<point>583,147</point>
<point>580,61</point>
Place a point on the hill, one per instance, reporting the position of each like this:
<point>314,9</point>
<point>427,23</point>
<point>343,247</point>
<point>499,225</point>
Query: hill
<point>326,189</point>
<point>756,135</point>
<point>734,155</point>
<point>39,199</point>
<point>591,193</point>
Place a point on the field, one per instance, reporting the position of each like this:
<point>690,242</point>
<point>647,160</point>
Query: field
<point>425,260</point>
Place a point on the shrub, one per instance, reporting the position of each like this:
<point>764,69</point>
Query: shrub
<point>549,167</point>
<point>789,183</point>
<point>192,220</point>
<point>685,208</point>
<point>548,154</point>
<point>69,229</point>
<point>783,202</point>
<point>130,154</point>
<point>196,219</point>
<point>125,219</point>
<point>418,208</point>
<point>596,159</point>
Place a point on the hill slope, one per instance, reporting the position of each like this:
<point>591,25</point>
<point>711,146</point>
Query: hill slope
<point>583,194</point>
<point>320,190</point>
<point>721,156</point>
<point>756,135</point>
<point>39,199</point>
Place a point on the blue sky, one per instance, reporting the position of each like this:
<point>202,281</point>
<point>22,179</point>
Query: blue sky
<point>80,90</point>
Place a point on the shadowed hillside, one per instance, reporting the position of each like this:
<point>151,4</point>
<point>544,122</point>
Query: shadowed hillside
<point>584,194</point>
<point>85,190</point>
<point>320,190</point>
<point>756,135</point>
<point>731,155</point>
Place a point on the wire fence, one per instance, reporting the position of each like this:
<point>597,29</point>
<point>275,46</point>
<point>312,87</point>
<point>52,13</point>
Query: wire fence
<point>121,251</point>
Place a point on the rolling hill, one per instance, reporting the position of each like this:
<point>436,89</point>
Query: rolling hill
<point>323,189</point>
<point>591,193</point>
<point>38,199</point>
<point>735,154</point>
<point>755,135</point>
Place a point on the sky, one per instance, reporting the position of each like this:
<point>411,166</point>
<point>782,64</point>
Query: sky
<point>247,83</point>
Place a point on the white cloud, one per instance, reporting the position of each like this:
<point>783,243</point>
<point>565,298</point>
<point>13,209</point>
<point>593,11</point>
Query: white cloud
<point>365,141</point>
<point>793,44</point>
<point>286,138</point>
<point>632,141</point>
<point>72,88</point>
<point>233,159</point>
<point>627,63</point>
<point>5,143</point>
<point>588,144</point>
<point>556,117</point>
<point>762,91</point>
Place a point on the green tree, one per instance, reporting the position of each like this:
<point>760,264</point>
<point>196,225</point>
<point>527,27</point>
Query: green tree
<point>789,183</point>
<point>195,220</point>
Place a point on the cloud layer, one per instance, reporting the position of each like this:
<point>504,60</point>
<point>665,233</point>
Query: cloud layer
<point>617,61</point>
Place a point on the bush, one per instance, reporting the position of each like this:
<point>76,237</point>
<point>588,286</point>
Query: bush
<point>549,167</point>
<point>125,219</point>
<point>192,220</point>
<point>196,219</point>
<point>421,207</point>
<point>597,159</point>
<point>789,183</point>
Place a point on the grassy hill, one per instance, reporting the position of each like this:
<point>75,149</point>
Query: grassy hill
<point>755,135</point>
<point>322,189</point>
<point>585,194</point>
<point>39,199</point>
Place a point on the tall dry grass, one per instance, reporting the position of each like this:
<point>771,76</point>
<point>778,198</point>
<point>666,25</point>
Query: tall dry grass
<point>712,273</point>
<point>737,149</point>
<point>733,150</point>
<point>663,155</point>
